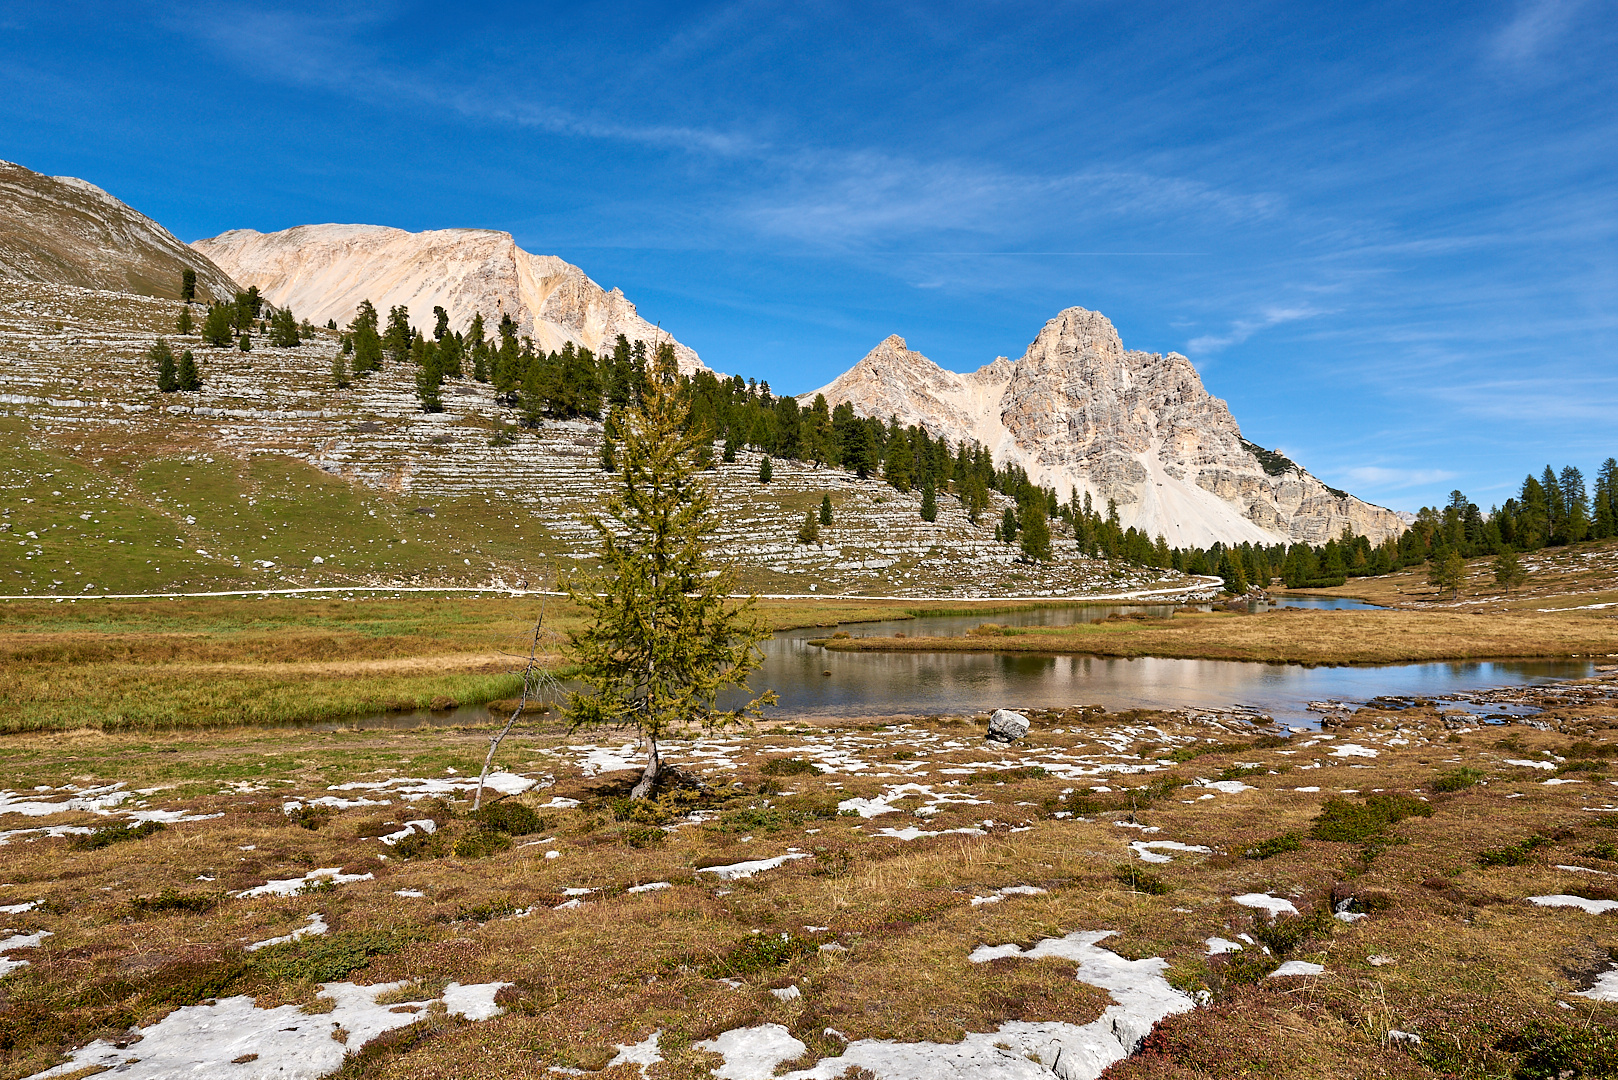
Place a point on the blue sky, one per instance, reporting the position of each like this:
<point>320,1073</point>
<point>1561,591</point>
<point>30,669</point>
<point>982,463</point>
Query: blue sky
<point>1386,233</point>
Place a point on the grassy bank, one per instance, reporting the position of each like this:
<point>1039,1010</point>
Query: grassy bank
<point>1290,636</point>
<point>869,932</point>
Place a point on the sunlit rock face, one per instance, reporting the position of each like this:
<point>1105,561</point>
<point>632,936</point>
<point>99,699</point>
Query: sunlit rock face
<point>1080,412</point>
<point>323,272</point>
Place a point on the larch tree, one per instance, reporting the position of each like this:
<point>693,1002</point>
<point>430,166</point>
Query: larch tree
<point>662,638</point>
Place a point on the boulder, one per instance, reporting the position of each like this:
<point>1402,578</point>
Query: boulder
<point>1007,726</point>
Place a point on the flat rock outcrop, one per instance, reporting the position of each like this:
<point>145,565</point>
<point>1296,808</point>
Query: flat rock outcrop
<point>61,230</point>
<point>1080,412</point>
<point>323,272</point>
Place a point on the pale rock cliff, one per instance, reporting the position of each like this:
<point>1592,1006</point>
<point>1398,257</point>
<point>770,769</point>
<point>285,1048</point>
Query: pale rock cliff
<point>323,272</point>
<point>61,230</point>
<point>1079,411</point>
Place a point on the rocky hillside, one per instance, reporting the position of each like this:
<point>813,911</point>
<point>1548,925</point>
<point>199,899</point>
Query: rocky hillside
<point>323,271</point>
<point>1079,411</point>
<point>66,231</point>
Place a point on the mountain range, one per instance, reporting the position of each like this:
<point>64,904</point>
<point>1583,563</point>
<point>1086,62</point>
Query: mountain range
<point>1077,411</point>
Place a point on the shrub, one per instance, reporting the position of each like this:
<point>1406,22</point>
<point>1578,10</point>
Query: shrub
<point>480,843</point>
<point>1284,933</point>
<point>758,952</point>
<point>173,900</point>
<point>1008,776</point>
<point>1236,772</point>
<point>511,817</point>
<point>108,835</point>
<point>1347,822</point>
<point>1456,779</point>
<point>1603,850</point>
<point>419,845</point>
<point>1513,854</point>
<point>642,836</point>
<point>322,959</point>
<point>1140,880</point>
<point>1275,845</point>
<point>1551,1050</point>
<point>790,766</point>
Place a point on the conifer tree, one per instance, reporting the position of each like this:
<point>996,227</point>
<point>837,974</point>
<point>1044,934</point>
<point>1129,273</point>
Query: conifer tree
<point>245,342</point>
<point>662,638</point>
<point>1231,570</point>
<point>440,323</point>
<point>367,342</point>
<point>216,327</point>
<point>188,286</point>
<point>284,330</point>
<point>730,445</point>
<point>929,501</point>
<point>898,468</point>
<point>766,472</point>
<point>1448,571</point>
<point>398,339</point>
<point>339,370</point>
<point>1036,535</point>
<point>1508,570</point>
<point>825,509</point>
<point>188,376</point>
<point>809,531</point>
<point>1008,526</point>
<point>162,358</point>
<point>609,452</point>
<point>429,376</point>
<point>183,324</point>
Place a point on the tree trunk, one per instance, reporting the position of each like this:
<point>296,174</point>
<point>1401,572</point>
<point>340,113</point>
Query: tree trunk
<point>648,779</point>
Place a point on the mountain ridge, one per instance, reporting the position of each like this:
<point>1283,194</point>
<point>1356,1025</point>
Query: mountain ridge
<point>62,230</point>
<point>1080,412</point>
<point>323,271</point>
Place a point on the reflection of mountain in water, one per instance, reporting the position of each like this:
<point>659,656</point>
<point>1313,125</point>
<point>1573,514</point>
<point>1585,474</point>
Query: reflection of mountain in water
<point>878,684</point>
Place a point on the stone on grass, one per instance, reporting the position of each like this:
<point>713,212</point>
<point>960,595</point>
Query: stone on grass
<point>1007,726</point>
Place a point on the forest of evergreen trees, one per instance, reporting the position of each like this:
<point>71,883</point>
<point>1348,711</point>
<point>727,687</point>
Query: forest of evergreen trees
<point>574,383</point>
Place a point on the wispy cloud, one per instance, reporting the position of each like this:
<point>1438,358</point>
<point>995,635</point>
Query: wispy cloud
<point>1537,27</point>
<point>1242,329</point>
<point>1382,478</point>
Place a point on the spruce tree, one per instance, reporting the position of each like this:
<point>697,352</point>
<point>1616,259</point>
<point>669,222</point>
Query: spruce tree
<point>1036,535</point>
<point>183,324</point>
<point>216,327</point>
<point>809,531</point>
<point>825,509</point>
<point>188,286</point>
<point>929,501</point>
<point>189,378</point>
<point>162,358</point>
<point>765,471</point>
<point>662,638</point>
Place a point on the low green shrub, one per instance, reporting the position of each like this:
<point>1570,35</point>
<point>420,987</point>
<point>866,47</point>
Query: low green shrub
<point>1285,933</point>
<point>174,900</point>
<point>1275,845</point>
<point>1513,854</point>
<point>758,952</point>
<point>108,835</point>
<point>790,766</point>
<point>642,836</point>
<point>322,959</point>
<point>481,843</point>
<point>1343,821</point>
<point>1456,779</point>
<point>511,817</point>
<point>1139,880</point>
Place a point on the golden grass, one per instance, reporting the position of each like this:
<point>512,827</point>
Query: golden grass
<point>1294,636</point>
<point>1472,962</point>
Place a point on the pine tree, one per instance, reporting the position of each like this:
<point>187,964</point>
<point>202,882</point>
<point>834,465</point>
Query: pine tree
<point>284,330</point>
<point>1231,570</point>
<point>339,371</point>
<point>1605,512</point>
<point>1508,570</point>
<point>1036,535</point>
<point>809,531</point>
<point>162,358</point>
<point>183,324</point>
<point>609,452</point>
<point>1008,525</point>
<point>1575,504</point>
<point>189,378</point>
<point>662,639</point>
<point>216,327</point>
<point>441,322</point>
<point>245,342</point>
<point>429,376</point>
<point>188,287</point>
<point>929,501</point>
<point>766,472</point>
<point>729,454</point>
<point>825,509</point>
<point>367,342</point>
<point>398,338</point>
<point>898,468</point>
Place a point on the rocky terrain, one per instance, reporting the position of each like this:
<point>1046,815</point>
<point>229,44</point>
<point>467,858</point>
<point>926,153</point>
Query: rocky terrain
<point>323,271</point>
<point>270,476</point>
<point>63,230</point>
<point>1080,412</point>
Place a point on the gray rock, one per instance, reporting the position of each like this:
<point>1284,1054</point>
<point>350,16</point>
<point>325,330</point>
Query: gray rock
<point>1007,726</point>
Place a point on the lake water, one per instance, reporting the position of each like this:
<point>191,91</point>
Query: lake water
<point>887,684</point>
<point>877,684</point>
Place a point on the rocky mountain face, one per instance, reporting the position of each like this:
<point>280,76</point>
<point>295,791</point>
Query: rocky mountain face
<point>1079,411</point>
<point>323,271</point>
<point>61,230</point>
